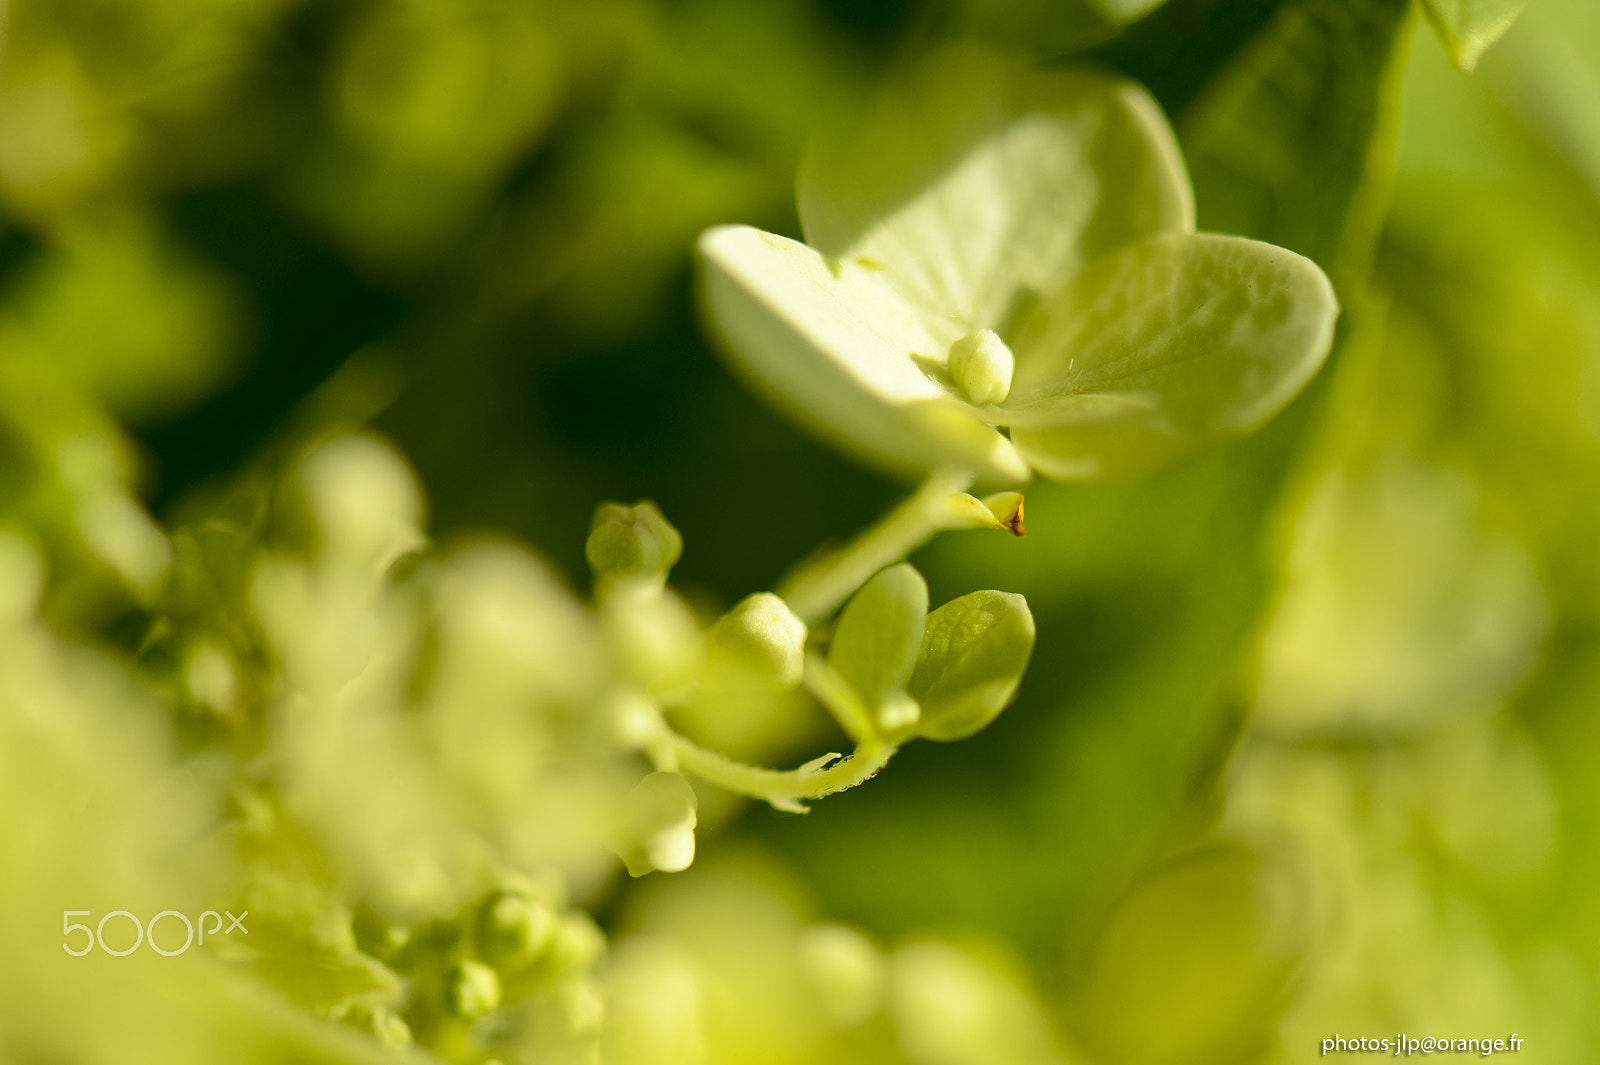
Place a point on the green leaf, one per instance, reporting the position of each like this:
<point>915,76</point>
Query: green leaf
<point>1468,27</point>
<point>977,184</point>
<point>1181,46</point>
<point>880,631</point>
<point>973,653</point>
<point>1049,27</point>
<point>1163,349</point>
<point>833,344</point>
<point>1292,142</point>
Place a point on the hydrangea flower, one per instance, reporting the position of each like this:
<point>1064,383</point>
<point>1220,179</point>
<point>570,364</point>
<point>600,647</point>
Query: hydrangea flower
<point>1002,275</point>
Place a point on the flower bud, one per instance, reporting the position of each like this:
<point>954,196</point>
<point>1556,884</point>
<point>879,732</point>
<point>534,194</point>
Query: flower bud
<point>365,500</point>
<point>662,811</point>
<point>513,928</point>
<point>1007,510</point>
<point>471,990</point>
<point>980,364</point>
<point>576,944</point>
<point>760,640</point>
<point>1003,510</point>
<point>631,543</point>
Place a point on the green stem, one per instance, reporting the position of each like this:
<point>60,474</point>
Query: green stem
<point>784,788</point>
<point>819,588</point>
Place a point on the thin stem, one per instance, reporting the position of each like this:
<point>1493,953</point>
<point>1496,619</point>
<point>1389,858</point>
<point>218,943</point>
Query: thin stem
<point>818,588</point>
<point>784,788</point>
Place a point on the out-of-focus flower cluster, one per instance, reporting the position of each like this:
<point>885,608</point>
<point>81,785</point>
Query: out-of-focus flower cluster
<point>416,771</point>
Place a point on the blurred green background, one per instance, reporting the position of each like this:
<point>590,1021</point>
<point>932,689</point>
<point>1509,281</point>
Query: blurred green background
<point>1308,740</point>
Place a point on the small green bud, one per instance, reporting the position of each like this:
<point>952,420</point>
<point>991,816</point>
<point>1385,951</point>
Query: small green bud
<point>981,364</point>
<point>576,945</point>
<point>760,640</point>
<point>365,500</point>
<point>513,929</point>
<point>472,989</point>
<point>631,543</point>
<point>662,811</point>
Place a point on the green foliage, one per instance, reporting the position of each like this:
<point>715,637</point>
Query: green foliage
<point>1291,142</point>
<point>1163,349</point>
<point>875,646</point>
<point>1297,731</point>
<point>1468,27</point>
<point>974,650</point>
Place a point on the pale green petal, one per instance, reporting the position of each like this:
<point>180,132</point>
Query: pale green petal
<point>1163,349</point>
<point>973,654</point>
<point>879,633</point>
<point>836,346</point>
<point>1468,27</point>
<point>978,184</point>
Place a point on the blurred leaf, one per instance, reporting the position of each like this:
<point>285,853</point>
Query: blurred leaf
<point>1182,45</point>
<point>1547,71</point>
<point>1191,963</point>
<point>1292,142</point>
<point>315,961</point>
<point>429,106</point>
<point>176,321</point>
<point>1049,26</point>
<point>605,244</point>
<point>709,65</point>
<point>1468,27</point>
<point>973,654</point>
